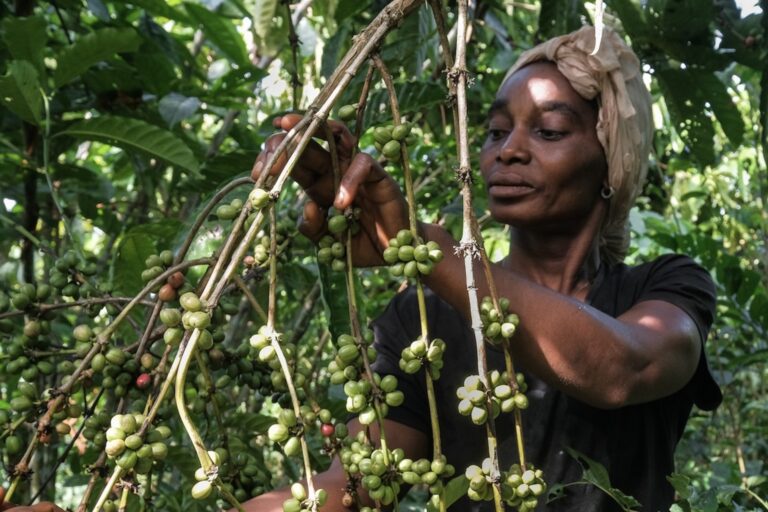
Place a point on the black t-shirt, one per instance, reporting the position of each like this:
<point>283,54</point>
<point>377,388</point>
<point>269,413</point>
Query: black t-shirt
<point>635,443</point>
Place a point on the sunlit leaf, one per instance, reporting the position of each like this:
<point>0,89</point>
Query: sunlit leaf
<point>138,135</point>
<point>263,12</point>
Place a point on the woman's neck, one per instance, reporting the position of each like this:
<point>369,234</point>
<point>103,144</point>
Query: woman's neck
<point>566,263</point>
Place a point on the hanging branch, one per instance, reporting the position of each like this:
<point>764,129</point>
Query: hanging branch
<point>413,225</point>
<point>293,40</point>
<point>469,246</point>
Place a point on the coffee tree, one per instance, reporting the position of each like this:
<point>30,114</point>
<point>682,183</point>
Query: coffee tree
<point>162,322</point>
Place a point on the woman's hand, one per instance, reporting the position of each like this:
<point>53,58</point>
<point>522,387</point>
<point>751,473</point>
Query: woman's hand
<point>364,184</point>
<point>40,507</point>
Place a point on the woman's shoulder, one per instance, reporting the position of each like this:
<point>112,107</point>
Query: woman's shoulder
<point>666,268</point>
<point>674,278</point>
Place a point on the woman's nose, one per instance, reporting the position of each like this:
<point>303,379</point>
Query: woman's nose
<point>515,148</point>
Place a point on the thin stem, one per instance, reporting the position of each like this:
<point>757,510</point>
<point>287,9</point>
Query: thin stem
<point>251,298</point>
<point>44,308</point>
<point>22,231</point>
<point>285,367</point>
<point>470,246</point>
<point>293,39</point>
<point>116,475</point>
<point>203,215</point>
<point>363,101</point>
<point>181,406</point>
<point>64,455</point>
<point>46,172</point>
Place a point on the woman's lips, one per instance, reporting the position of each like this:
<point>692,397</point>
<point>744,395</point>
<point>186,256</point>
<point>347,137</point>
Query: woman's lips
<point>508,187</point>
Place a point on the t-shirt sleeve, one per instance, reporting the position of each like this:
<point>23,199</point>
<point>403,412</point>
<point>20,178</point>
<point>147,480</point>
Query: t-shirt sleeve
<point>679,280</point>
<point>394,330</point>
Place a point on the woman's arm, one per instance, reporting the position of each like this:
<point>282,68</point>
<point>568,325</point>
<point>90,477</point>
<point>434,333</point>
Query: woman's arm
<point>413,442</point>
<point>648,352</point>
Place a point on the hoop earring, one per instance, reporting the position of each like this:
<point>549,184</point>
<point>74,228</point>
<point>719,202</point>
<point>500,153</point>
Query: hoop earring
<point>607,192</point>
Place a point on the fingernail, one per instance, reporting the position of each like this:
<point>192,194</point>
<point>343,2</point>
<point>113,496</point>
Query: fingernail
<point>257,168</point>
<point>340,198</point>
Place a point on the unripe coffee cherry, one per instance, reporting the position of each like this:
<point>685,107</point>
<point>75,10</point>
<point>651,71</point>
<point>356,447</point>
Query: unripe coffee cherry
<point>201,490</point>
<point>348,112</point>
<point>82,333</point>
<point>190,302</point>
<point>259,198</point>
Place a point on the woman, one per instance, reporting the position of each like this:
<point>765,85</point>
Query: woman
<point>613,354</point>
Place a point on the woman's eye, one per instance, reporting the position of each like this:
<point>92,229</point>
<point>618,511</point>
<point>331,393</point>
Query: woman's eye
<point>551,134</point>
<point>495,134</point>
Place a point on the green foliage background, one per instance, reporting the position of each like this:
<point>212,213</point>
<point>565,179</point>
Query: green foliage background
<point>119,120</point>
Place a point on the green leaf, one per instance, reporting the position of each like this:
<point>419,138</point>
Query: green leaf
<point>263,13</point>
<point>691,122</point>
<point>91,49</point>
<point>596,474</point>
<point>20,91</point>
<point>176,107</point>
<point>161,8</point>
<point>559,16</point>
<point>134,247</point>
<point>25,39</point>
<point>681,483</point>
<point>455,489</point>
<point>132,250</point>
<point>221,32</point>
<point>128,133</point>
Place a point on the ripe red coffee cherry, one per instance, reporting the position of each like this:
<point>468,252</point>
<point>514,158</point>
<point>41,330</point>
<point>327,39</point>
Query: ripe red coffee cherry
<point>327,429</point>
<point>176,279</point>
<point>167,293</point>
<point>143,381</point>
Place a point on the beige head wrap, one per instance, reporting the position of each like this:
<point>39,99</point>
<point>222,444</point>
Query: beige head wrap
<point>624,124</point>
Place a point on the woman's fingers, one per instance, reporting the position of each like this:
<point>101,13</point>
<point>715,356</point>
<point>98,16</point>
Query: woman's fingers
<point>345,141</point>
<point>40,507</point>
<point>364,170</point>
<point>312,223</point>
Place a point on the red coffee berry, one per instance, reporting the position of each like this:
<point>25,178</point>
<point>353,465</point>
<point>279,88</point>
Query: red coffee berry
<point>176,279</point>
<point>167,293</point>
<point>327,429</point>
<point>143,381</point>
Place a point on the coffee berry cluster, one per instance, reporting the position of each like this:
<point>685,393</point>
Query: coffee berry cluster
<point>409,256</point>
<point>289,427</point>
<point>420,353</point>
<point>387,139</point>
<point>499,324</point>
<point>346,365</point>
<point>377,468</point>
<point>301,367</point>
<point>129,449</point>
<point>519,488</point>
<point>427,472</point>
<point>331,248</point>
<point>474,396</point>
<point>300,501</point>
<point>68,276</point>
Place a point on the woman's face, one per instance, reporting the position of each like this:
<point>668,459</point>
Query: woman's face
<point>542,162</point>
